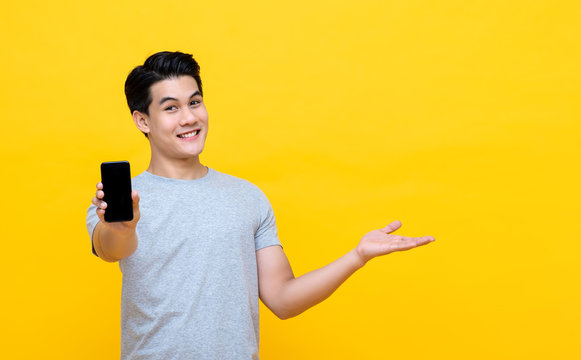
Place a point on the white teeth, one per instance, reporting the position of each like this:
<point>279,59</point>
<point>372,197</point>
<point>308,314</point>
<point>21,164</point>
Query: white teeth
<point>189,134</point>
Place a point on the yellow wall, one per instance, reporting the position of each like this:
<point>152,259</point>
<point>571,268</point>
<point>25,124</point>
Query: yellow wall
<point>459,118</point>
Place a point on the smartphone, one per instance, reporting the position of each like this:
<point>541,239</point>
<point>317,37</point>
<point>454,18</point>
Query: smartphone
<point>116,179</point>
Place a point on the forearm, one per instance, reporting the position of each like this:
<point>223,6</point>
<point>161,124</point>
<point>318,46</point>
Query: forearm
<point>299,294</point>
<point>111,246</point>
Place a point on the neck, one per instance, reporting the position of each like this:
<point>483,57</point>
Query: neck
<point>184,169</point>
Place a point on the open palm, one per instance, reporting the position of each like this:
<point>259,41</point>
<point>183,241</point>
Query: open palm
<point>381,242</point>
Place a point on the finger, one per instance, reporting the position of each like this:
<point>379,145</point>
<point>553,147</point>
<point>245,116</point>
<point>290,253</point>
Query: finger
<point>101,214</point>
<point>135,198</point>
<point>99,203</point>
<point>410,243</point>
<point>100,194</point>
<point>420,240</point>
<point>392,227</point>
<point>96,201</point>
<point>424,240</point>
<point>99,186</point>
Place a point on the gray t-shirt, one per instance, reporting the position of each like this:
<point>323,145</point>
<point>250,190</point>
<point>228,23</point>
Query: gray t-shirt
<point>190,290</point>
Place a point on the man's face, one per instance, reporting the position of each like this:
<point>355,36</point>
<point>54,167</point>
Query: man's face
<point>178,120</point>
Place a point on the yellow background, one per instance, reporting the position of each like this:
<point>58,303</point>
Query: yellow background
<point>459,118</point>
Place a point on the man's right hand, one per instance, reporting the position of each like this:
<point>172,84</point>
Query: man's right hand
<point>112,238</point>
<point>120,226</point>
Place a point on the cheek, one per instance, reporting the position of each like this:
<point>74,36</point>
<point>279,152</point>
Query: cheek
<point>162,128</point>
<point>203,114</point>
<point>164,125</point>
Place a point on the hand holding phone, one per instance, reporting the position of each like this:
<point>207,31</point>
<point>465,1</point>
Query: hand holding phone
<point>115,201</point>
<point>116,180</point>
<point>117,230</point>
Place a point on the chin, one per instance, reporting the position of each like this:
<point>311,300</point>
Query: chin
<point>194,153</point>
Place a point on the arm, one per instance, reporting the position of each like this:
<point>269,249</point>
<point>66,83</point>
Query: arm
<point>112,247</point>
<point>118,240</point>
<point>287,296</point>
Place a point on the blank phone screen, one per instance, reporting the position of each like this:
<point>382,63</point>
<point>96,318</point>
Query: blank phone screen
<point>116,179</point>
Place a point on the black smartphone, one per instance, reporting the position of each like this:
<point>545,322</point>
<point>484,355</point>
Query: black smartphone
<point>116,179</point>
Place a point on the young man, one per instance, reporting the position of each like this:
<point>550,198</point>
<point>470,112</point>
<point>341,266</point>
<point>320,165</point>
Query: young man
<point>203,246</point>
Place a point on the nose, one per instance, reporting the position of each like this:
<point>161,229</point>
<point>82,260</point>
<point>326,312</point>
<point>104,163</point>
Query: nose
<point>189,117</point>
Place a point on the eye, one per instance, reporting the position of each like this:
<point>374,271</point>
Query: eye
<point>172,107</point>
<point>194,102</point>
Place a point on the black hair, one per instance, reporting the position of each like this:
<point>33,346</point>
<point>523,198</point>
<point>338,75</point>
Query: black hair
<point>160,66</point>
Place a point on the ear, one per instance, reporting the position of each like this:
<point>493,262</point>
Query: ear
<point>141,121</point>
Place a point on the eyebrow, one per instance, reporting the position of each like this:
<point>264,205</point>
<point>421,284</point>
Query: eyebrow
<point>171,98</point>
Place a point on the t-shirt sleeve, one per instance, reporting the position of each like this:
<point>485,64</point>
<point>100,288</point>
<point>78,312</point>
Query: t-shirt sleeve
<point>92,221</point>
<point>266,234</point>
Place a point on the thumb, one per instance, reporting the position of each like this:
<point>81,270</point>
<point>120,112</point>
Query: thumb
<point>101,215</point>
<point>135,198</point>
<point>392,227</point>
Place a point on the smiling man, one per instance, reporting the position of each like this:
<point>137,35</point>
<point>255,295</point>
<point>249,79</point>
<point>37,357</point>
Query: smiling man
<point>203,247</point>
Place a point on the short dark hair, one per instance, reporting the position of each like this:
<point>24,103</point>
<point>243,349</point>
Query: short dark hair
<point>160,66</point>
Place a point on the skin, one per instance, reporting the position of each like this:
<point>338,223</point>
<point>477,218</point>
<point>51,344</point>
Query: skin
<point>283,293</point>
<point>171,156</point>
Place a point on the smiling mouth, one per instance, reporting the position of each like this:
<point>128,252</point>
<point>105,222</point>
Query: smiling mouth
<point>189,134</point>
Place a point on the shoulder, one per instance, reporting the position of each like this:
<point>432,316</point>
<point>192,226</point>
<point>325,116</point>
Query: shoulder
<point>238,184</point>
<point>232,180</point>
<point>139,179</point>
